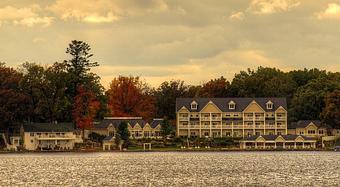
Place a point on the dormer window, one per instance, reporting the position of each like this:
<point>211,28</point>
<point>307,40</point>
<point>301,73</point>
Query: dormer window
<point>269,105</point>
<point>232,105</point>
<point>194,105</point>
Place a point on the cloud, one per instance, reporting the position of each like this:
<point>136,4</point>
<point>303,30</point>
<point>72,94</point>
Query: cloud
<point>265,7</point>
<point>27,16</point>
<point>193,71</point>
<point>272,6</point>
<point>103,11</point>
<point>331,12</point>
<point>237,16</point>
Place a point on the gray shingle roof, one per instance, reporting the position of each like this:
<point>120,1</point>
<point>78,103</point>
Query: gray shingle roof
<point>49,127</point>
<point>305,123</point>
<point>222,103</point>
<point>108,138</point>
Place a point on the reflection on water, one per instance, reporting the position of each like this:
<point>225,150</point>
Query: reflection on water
<point>171,169</point>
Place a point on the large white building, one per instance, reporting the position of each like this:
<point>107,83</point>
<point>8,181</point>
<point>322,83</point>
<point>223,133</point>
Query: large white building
<point>49,136</point>
<point>230,117</point>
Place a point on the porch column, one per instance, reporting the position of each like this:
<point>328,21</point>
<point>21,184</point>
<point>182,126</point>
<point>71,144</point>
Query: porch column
<point>264,145</point>
<point>210,125</point>
<point>314,146</point>
<point>284,145</point>
<point>303,145</point>
<point>294,145</point>
<point>275,145</point>
<point>255,145</point>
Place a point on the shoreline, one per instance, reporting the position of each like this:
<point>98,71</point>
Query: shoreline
<point>167,150</point>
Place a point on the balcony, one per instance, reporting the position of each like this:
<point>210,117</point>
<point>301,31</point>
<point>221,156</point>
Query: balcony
<point>183,118</point>
<point>216,118</point>
<point>205,118</point>
<point>238,126</point>
<point>249,126</point>
<point>248,118</point>
<point>280,118</point>
<point>226,126</point>
<point>56,137</point>
<point>194,126</point>
<point>259,118</point>
<point>281,126</point>
<point>270,126</point>
<point>259,126</point>
<point>216,126</point>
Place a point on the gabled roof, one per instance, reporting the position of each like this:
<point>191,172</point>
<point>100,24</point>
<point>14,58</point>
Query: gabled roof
<point>156,122</point>
<point>108,138</point>
<point>305,123</point>
<point>222,103</point>
<point>49,127</point>
<point>273,137</point>
<point>133,122</point>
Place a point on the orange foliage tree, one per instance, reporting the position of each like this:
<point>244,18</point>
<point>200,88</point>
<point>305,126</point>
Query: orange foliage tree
<point>85,108</point>
<point>128,96</point>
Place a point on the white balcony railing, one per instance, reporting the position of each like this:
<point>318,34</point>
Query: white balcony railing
<point>183,118</point>
<point>216,118</point>
<point>238,126</point>
<point>259,126</point>
<point>280,118</point>
<point>205,118</point>
<point>281,126</point>
<point>248,118</point>
<point>270,126</point>
<point>259,118</point>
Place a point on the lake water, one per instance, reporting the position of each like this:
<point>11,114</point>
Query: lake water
<point>171,169</point>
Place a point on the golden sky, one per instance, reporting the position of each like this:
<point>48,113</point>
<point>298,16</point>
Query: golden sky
<point>192,40</point>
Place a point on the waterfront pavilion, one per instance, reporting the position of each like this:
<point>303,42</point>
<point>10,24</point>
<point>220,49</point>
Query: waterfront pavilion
<point>278,142</point>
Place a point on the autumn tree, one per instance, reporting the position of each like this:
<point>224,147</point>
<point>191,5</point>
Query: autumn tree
<point>13,101</point>
<point>215,88</point>
<point>128,96</point>
<point>331,113</point>
<point>85,108</point>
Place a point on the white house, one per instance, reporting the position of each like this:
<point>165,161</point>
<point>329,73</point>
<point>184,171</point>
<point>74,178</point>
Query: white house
<point>50,136</point>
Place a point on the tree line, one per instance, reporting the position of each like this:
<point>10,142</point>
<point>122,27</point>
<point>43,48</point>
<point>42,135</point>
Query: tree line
<point>68,91</point>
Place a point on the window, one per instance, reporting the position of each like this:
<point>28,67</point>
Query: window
<point>279,133</point>
<point>271,133</point>
<point>193,133</point>
<point>311,131</point>
<point>231,105</point>
<point>194,105</point>
<point>31,134</point>
<point>301,132</point>
<point>206,133</point>
<point>320,131</point>
<point>31,141</point>
<point>258,133</point>
<point>269,105</point>
<point>228,133</point>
